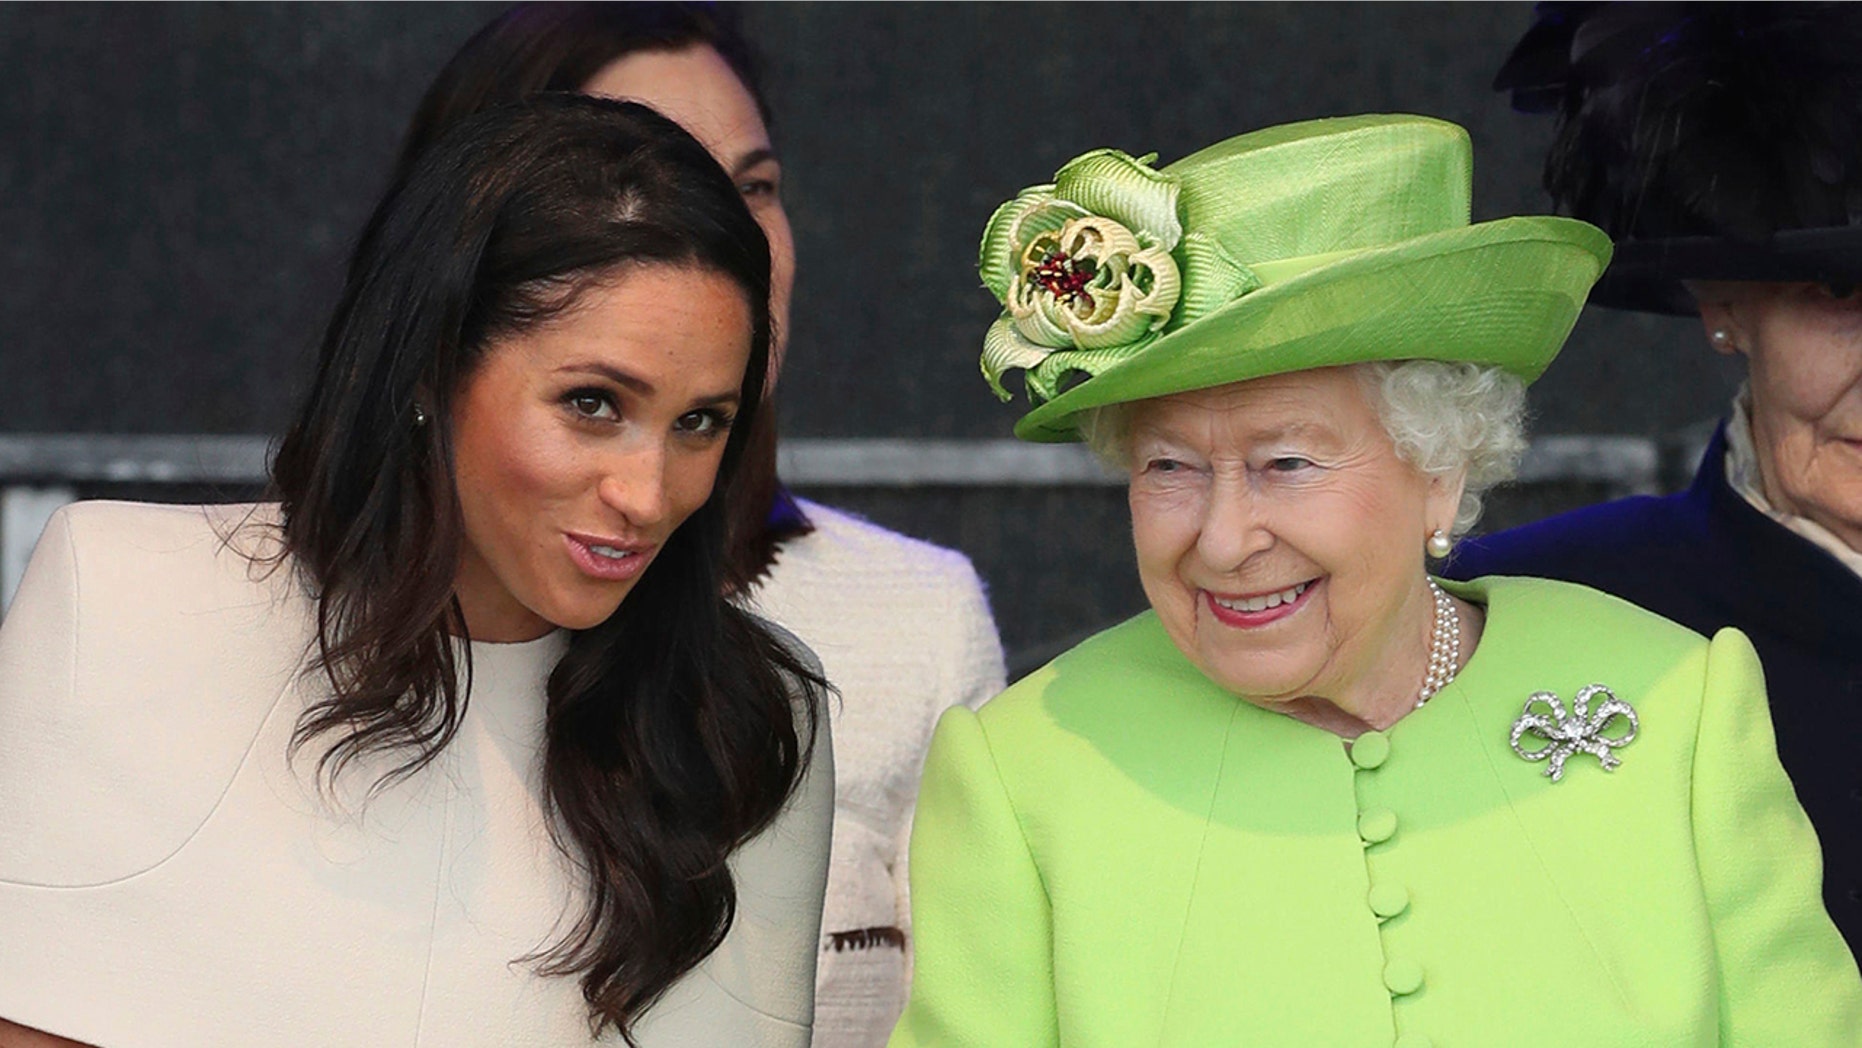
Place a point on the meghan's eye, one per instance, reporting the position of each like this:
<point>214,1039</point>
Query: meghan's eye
<point>1837,291</point>
<point>592,404</point>
<point>709,422</point>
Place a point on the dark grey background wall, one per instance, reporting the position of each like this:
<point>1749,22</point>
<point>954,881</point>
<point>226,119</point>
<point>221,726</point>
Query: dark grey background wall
<point>179,184</point>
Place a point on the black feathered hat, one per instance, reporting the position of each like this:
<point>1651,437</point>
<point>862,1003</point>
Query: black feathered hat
<point>1712,141</point>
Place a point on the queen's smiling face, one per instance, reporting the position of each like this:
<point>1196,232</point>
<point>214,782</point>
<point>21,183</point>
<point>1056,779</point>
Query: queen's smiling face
<point>1280,538</point>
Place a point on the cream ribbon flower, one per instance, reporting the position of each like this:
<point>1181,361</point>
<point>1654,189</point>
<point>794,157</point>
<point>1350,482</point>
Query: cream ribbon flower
<point>1083,268</point>
<point>1094,267</point>
<point>1090,285</point>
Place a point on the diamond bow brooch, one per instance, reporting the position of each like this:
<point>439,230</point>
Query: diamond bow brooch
<point>1579,731</point>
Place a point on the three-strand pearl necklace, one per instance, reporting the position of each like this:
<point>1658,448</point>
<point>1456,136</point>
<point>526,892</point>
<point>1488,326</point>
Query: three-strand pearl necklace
<point>1444,645</point>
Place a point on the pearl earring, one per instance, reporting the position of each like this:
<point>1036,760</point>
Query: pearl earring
<point>1721,337</point>
<point>420,417</point>
<point>1439,544</point>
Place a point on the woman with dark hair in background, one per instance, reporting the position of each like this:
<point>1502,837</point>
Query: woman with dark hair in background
<point>902,628</point>
<point>1720,145</point>
<point>457,743</point>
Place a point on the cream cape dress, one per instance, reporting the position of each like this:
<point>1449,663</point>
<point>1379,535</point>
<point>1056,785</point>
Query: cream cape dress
<point>169,878</point>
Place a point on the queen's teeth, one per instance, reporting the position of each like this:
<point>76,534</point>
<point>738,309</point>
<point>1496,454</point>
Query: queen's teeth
<point>1271,600</point>
<point>609,552</point>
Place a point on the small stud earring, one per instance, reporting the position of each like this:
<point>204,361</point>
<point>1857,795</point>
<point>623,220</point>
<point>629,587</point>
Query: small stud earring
<point>1721,338</point>
<point>420,417</point>
<point>1439,544</point>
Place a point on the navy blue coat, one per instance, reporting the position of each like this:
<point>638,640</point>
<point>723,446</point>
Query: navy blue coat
<point>1706,559</point>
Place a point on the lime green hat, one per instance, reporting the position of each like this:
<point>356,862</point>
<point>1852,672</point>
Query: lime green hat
<point>1294,247</point>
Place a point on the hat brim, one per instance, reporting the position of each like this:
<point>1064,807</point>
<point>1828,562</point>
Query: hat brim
<point>1647,275</point>
<point>1502,293</point>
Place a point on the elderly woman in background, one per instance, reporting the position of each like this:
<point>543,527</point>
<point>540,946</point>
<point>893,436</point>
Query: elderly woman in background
<point>902,627</point>
<point>1313,796</point>
<point>1719,144</point>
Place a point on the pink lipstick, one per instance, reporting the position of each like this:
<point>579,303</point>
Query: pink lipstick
<point>1252,611</point>
<point>607,559</point>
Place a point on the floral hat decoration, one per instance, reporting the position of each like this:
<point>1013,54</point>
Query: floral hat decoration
<point>1300,246</point>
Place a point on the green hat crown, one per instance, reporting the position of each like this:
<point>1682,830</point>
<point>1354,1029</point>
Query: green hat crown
<point>1117,268</point>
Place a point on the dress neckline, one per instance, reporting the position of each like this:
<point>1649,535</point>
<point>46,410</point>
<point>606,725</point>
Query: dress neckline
<point>509,682</point>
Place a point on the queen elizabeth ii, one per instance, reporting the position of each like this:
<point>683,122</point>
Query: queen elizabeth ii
<point>1313,796</point>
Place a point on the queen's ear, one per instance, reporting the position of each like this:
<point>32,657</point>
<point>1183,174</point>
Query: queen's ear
<point>1444,500</point>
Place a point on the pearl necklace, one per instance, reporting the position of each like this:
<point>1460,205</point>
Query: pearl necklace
<point>1444,645</point>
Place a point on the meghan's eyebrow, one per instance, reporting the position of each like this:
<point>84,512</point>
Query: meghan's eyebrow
<point>624,379</point>
<point>640,386</point>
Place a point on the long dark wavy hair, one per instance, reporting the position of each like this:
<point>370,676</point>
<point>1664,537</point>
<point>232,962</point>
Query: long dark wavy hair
<point>537,47</point>
<point>675,730</point>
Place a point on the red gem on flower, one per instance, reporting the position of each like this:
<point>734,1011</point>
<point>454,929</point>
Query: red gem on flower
<point>1064,278</point>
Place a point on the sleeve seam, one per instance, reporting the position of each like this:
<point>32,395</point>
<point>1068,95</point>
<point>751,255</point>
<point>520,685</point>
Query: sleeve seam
<point>1021,829</point>
<point>1693,753</point>
<point>77,601</point>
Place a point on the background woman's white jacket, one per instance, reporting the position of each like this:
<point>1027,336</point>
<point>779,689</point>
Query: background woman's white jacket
<point>904,633</point>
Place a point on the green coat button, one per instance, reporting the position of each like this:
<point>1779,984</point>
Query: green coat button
<point>1370,750</point>
<point>1388,900</point>
<point>1377,825</point>
<point>1402,977</point>
<point>1414,1040</point>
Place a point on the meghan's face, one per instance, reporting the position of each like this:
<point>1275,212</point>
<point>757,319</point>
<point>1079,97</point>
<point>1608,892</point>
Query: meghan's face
<point>582,444</point>
<point>1803,346</point>
<point>697,89</point>
<point>1280,537</point>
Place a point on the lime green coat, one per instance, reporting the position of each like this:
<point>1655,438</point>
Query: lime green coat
<point>1116,853</point>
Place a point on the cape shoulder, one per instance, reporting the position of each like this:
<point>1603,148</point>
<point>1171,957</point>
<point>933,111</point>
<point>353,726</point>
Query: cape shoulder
<point>142,654</point>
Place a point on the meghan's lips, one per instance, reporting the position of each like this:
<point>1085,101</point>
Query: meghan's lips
<point>1221,606</point>
<point>607,559</point>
